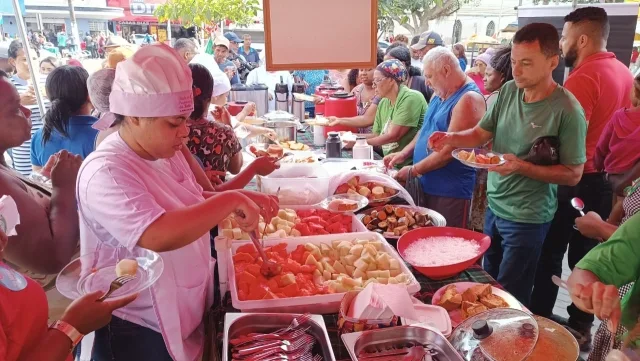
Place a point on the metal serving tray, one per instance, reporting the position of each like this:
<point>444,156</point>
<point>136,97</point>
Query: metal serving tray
<point>386,339</point>
<point>238,324</point>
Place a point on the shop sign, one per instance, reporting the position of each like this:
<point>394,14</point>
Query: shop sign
<point>139,7</point>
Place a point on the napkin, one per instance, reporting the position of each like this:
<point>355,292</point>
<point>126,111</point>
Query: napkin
<point>380,302</point>
<point>9,216</point>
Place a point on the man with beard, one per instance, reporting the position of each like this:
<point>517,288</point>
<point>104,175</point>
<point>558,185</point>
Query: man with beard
<point>602,85</point>
<point>522,191</point>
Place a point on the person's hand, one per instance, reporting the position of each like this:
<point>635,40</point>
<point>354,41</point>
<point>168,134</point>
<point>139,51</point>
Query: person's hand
<point>403,174</point>
<point>230,71</point>
<point>236,62</point>
<point>87,314</point>
<point>270,97</point>
<point>333,121</point>
<point>214,176</point>
<point>28,97</point>
<point>216,113</point>
<point>46,170</point>
<point>65,170</point>
<point>264,165</point>
<point>393,159</point>
<point>269,204</point>
<point>438,140</point>
<point>597,298</point>
<point>250,108</point>
<point>512,165</point>
<point>318,99</point>
<point>247,212</point>
<point>589,225</point>
<point>271,134</point>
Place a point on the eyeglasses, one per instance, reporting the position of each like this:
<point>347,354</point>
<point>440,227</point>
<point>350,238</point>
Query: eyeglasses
<point>377,81</point>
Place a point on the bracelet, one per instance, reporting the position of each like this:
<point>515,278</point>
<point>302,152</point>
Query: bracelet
<point>414,172</point>
<point>68,330</point>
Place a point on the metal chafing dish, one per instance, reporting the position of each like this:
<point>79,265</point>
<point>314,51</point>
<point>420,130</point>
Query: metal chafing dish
<point>239,324</point>
<point>388,344</point>
<point>504,334</point>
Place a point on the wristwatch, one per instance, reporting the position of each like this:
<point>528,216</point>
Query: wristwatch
<point>68,330</point>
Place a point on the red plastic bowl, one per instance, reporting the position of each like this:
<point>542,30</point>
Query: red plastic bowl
<point>446,271</point>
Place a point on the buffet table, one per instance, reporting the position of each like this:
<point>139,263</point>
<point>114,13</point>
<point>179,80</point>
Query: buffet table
<point>427,289</point>
<point>306,138</point>
<point>427,286</point>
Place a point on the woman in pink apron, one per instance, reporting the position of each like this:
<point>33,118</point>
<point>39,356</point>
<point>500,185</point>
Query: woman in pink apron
<point>136,190</point>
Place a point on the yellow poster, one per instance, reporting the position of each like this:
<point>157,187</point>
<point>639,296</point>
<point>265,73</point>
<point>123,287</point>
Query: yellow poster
<point>162,35</point>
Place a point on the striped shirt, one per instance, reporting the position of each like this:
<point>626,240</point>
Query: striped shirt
<point>22,153</point>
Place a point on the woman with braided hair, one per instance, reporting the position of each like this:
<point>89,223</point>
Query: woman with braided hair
<point>497,73</point>
<point>68,123</point>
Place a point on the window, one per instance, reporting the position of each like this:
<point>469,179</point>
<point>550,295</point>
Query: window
<point>97,26</point>
<point>491,28</point>
<point>457,31</point>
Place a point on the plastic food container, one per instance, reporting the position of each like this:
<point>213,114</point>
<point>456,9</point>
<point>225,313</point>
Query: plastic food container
<point>300,184</point>
<point>223,243</point>
<point>318,304</point>
<point>430,315</point>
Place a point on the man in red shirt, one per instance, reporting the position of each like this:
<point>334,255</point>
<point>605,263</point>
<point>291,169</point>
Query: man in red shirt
<point>602,85</point>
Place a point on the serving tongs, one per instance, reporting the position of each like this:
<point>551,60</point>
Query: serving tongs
<point>417,352</point>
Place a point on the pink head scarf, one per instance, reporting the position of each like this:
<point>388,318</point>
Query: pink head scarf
<point>154,82</point>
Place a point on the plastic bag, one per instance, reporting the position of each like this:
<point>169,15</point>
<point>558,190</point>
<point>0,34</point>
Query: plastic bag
<point>383,179</point>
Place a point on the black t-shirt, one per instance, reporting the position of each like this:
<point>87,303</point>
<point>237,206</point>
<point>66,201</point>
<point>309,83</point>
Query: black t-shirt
<point>418,84</point>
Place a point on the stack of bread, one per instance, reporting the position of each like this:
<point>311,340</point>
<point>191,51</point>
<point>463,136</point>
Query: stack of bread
<point>474,300</point>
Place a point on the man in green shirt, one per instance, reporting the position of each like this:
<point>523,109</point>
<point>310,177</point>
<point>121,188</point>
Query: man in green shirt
<point>594,282</point>
<point>400,112</point>
<point>522,195</point>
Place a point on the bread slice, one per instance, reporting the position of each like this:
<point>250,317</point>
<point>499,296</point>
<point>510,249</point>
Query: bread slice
<point>481,290</point>
<point>470,295</point>
<point>451,299</point>
<point>493,301</point>
<point>470,309</point>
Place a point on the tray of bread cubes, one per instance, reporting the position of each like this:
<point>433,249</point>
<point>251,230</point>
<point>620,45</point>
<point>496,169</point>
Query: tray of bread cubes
<point>465,299</point>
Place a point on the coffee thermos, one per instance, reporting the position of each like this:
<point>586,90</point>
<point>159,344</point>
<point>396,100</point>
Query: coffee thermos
<point>282,96</point>
<point>297,106</point>
<point>334,145</point>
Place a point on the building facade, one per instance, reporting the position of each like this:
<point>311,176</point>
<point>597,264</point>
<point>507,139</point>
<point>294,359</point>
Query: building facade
<point>53,15</point>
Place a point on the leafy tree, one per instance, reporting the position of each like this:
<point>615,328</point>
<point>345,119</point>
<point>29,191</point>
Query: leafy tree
<point>198,12</point>
<point>414,15</point>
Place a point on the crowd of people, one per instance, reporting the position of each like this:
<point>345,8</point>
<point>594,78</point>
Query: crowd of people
<point>138,153</point>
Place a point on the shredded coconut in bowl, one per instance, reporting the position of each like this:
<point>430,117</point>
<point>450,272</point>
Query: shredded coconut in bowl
<point>440,251</point>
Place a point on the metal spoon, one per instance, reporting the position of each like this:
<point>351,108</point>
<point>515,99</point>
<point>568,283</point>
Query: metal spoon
<point>269,268</point>
<point>578,204</point>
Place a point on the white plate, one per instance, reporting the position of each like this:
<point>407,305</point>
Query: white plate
<point>488,153</point>
<point>456,315</point>
<point>95,272</point>
<point>362,202</point>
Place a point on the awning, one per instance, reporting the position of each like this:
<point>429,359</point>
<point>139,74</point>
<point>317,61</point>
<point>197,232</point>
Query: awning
<point>134,19</point>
